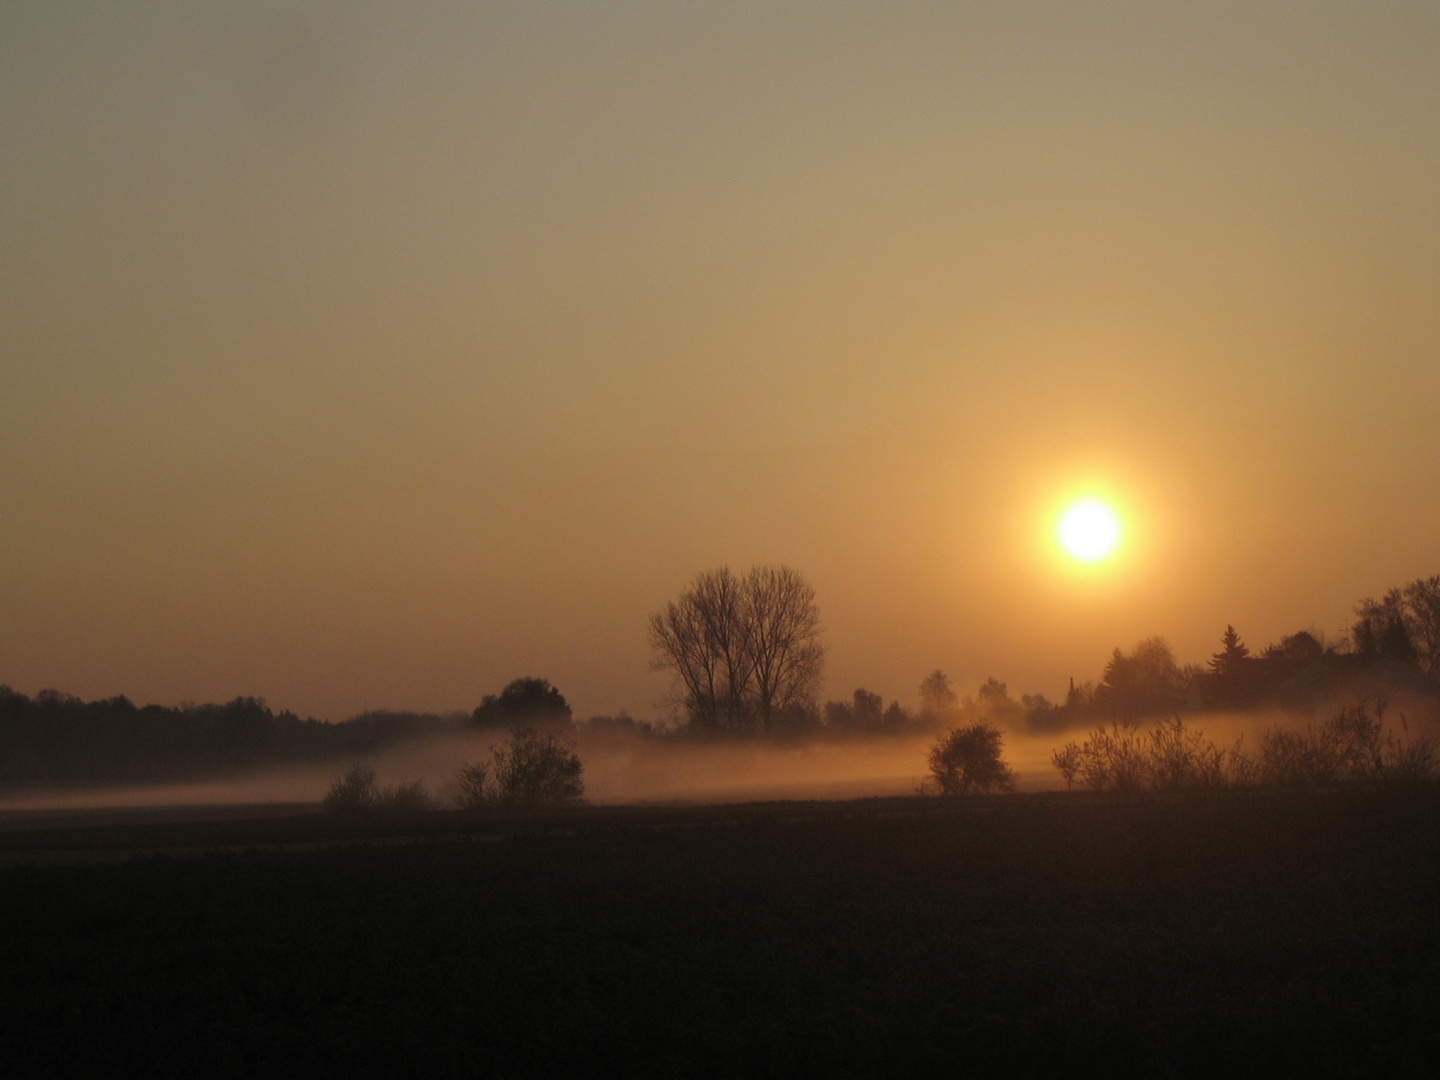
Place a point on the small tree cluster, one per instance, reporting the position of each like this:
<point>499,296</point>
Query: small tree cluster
<point>357,791</point>
<point>530,768</point>
<point>969,758</point>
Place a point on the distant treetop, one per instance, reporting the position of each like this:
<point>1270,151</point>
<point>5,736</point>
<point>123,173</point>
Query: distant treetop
<point>523,700</point>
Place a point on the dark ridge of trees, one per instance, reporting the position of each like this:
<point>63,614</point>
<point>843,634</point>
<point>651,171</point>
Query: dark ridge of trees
<point>940,708</point>
<point>1144,682</point>
<point>620,726</point>
<point>747,656</point>
<point>1393,646</point>
<point>55,740</point>
<point>1297,673</point>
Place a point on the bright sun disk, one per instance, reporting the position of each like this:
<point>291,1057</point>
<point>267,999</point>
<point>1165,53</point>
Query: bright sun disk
<point>1089,531</point>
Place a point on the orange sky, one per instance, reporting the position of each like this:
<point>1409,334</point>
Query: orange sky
<point>358,356</point>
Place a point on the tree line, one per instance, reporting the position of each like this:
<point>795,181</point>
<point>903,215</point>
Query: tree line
<point>746,657</point>
<point>57,740</point>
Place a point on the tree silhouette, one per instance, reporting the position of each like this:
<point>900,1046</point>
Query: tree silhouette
<point>1233,657</point>
<point>1381,628</point>
<point>1301,647</point>
<point>745,651</point>
<point>938,701</point>
<point>527,700</point>
<point>864,712</point>
<point>1232,671</point>
<point>969,758</point>
<point>1147,682</point>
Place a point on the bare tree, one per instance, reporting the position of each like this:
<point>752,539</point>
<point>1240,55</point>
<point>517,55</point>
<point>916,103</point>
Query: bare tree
<point>782,633</point>
<point>745,651</point>
<point>700,637</point>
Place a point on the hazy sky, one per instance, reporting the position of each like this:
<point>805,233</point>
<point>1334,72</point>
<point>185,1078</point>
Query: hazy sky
<point>375,354</point>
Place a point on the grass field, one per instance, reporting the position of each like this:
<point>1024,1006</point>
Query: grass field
<point>1249,933</point>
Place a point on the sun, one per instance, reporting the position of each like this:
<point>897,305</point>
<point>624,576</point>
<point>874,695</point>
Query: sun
<point>1089,531</point>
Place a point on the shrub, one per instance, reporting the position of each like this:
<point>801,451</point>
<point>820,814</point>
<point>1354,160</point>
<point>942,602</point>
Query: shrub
<point>1113,759</point>
<point>530,768</point>
<point>477,789</point>
<point>1068,761</point>
<point>1170,757</point>
<point>355,791</point>
<point>404,798</point>
<point>1181,758</point>
<point>1351,747</point>
<point>1413,760</point>
<point>969,757</point>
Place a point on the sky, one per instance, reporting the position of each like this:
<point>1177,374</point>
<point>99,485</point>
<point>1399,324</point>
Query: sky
<point>360,355</point>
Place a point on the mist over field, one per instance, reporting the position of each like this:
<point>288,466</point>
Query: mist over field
<point>618,769</point>
<point>625,767</point>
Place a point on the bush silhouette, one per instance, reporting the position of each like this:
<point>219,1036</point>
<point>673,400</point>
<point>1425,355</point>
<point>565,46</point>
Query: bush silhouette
<point>1352,746</point>
<point>530,768</point>
<point>1170,757</point>
<point>1068,761</point>
<point>969,758</point>
<point>356,791</point>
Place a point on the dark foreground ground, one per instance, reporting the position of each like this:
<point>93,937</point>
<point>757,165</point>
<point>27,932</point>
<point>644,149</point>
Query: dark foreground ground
<point>1253,934</point>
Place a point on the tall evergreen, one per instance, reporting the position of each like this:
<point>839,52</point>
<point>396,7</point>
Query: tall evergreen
<point>1231,660</point>
<point>1232,671</point>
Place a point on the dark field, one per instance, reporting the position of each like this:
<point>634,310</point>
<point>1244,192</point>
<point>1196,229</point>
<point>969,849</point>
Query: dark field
<point>1246,934</point>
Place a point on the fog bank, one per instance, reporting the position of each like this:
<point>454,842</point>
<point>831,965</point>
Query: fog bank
<point>623,767</point>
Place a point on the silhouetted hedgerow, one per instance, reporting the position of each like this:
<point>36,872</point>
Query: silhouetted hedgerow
<point>1353,746</point>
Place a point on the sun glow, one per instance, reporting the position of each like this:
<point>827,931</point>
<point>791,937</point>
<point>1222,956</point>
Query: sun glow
<point>1089,531</point>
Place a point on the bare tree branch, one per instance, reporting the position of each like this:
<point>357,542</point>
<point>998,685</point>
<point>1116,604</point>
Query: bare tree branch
<point>744,650</point>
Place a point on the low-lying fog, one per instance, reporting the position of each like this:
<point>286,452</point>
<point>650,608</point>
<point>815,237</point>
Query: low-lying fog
<point>629,768</point>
